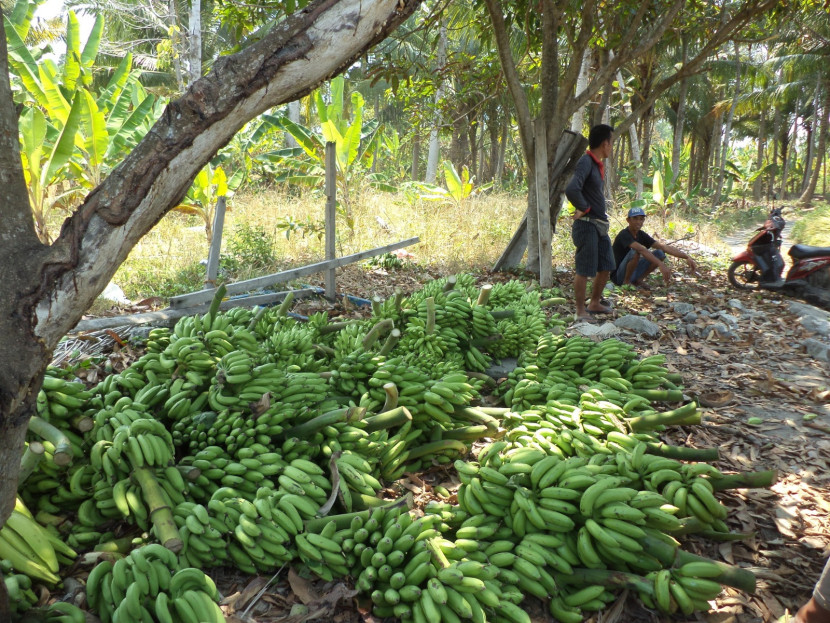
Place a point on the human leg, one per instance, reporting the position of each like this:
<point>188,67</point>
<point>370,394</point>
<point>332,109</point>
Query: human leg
<point>584,237</point>
<point>580,285</point>
<point>605,264</point>
<point>645,267</point>
<point>619,273</point>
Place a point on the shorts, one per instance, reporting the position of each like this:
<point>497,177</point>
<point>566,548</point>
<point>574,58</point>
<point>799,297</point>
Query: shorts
<point>593,250</point>
<point>639,270</point>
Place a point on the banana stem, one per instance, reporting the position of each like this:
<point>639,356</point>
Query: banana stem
<point>63,447</point>
<point>160,513</point>
<point>674,377</point>
<point>217,300</point>
<point>82,423</point>
<point>484,294</point>
<point>436,447</point>
<point>746,480</point>
<point>307,429</point>
<point>324,350</point>
<point>468,433</point>
<point>649,421</point>
<point>556,300</point>
<point>733,576</point>
<point>255,319</point>
<point>476,415</point>
<point>685,453</point>
<point>495,412</point>
<point>394,417</point>
<point>344,521</point>
<point>391,397</point>
<point>606,577</point>
<point>333,327</point>
<point>659,395</point>
<point>376,303</point>
<point>391,341</point>
<point>286,304</point>
<point>374,333</point>
<point>398,299</point>
<point>430,303</point>
<point>450,284</point>
<point>30,460</point>
<point>499,314</point>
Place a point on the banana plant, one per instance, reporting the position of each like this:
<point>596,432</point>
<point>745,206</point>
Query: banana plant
<point>210,184</point>
<point>45,150</point>
<point>353,139</point>
<point>458,187</point>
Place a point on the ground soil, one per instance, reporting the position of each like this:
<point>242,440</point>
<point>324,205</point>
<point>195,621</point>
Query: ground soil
<point>761,372</point>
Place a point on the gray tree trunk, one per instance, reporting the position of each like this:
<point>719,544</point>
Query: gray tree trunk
<point>294,117</point>
<point>194,40</point>
<point>434,145</point>
<point>806,198</point>
<point>727,130</point>
<point>758,184</point>
<point>680,120</point>
<point>48,288</point>
<point>177,62</point>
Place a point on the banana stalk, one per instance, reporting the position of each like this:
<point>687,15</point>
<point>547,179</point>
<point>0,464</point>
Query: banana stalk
<point>651,420</point>
<point>387,419</point>
<point>286,304</point>
<point>344,520</point>
<point>684,453</point>
<point>82,423</point>
<point>63,447</point>
<point>391,341</point>
<point>484,294</point>
<point>374,334</point>
<point>391,397</point>
<point>607,577</point>
<point>307,429</point>
<point>160,513</point>
<point>658,395</point>
<point>746,480</point>
<point>30,460</point>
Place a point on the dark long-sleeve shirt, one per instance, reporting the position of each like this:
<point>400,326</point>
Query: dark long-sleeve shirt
<point>586,188</point>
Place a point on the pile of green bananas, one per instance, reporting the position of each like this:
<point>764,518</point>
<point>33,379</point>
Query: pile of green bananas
<point>149,585</point>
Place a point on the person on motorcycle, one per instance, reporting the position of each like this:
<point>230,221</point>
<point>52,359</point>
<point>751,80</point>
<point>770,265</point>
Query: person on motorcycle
<point>638,255</point>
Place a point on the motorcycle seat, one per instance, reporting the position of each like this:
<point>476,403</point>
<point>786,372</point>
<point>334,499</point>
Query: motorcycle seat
<point>802,251</point>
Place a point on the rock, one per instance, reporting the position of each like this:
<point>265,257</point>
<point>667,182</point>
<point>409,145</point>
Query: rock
<point>803,310</point>
<point>735,304</point>
<point>729,319</point>
<point>721,329</point>
<point>604,330</point>
<point>638,324</point>
<point>502,368</point>
<point>683,308</point>
<point>817,349</point>
<point>816,325</point>
<point>690,317</point>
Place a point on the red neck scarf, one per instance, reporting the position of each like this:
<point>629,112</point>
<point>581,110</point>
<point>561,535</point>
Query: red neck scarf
<point>599,162</point>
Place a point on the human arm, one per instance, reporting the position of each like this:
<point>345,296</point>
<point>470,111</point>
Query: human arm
<point>643,251</point>
<point>674,251</point>
<point>573,191</point>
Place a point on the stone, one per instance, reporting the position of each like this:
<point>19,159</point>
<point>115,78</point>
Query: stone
<point>720,328</point>
<point>729,319</point>
<point>735,304</point>
<point>803,310</point>
<point>690,317</point>
<point>638,324</point>
<point>817,349</point>
<point>816,325</point>
<point>683,308</point>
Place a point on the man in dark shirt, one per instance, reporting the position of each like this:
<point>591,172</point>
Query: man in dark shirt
<point>590,227</point>
<point>634,256</point>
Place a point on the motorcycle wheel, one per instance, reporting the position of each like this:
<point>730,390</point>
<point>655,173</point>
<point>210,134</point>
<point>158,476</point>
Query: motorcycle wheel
<point>744,275</point>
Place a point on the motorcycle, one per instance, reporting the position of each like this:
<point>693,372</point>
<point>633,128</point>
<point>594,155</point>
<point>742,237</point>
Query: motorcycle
<point>761,266</point>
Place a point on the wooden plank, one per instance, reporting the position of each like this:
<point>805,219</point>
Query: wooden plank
<point>331,214</point>
<point>216,242</point>
<point>543,204</point>
<point>249,285</point>
<point>168,317</point>
<point>567,153</point>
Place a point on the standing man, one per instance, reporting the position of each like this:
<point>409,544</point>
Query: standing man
<point>586,191</point>
<point>637,254</point>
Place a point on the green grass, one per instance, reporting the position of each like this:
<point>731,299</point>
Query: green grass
<point>813,227</point>
<point>468,236</point>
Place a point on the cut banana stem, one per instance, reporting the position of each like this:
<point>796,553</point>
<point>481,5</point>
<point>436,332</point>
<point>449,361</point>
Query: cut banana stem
<point>666,418</point>
<point>714,535</point>
<point>374,334</point>
<point>259,313</point>
<point>607,577</point>
<point>391,341</point>
<point>746,480</point>
<point>430,326</point>
<point>684,453</point>
<point>733,576</point>
<point>217,300</point>
<point>286,304</point>
<point>30,460</point>
<point>307,429</point>
<point>160,513</point>
<point>82,423</point>
<point>658,395</point>
<point>500,314</point>
<point>391,397</point>
<point>484,294</point>
<point>62,456</point>
<point>333,327</point>
<point>394,417</point>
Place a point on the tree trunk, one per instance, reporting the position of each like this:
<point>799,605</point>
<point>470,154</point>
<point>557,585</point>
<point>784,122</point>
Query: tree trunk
<point>433,154</point>
<point>578,118</point>
<point>177,62</point>
<point>787,145</point>
<point>503,138</point>
<point>416,156</point>
<point>294,117</point>
<point>48,288</point>
<point>194,39</point>
<point>758,184</point>
<point>727,131</point>
<point>634,140</point>
<point>807,196</point>
<point>680,120</point>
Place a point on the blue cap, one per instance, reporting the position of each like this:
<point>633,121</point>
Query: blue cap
<point>636,212</point>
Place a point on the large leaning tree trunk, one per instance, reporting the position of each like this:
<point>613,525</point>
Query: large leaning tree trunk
<point>48,288</point>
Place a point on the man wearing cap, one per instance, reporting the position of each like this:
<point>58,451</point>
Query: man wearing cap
<point>590,227</point>
<point>637,254</point>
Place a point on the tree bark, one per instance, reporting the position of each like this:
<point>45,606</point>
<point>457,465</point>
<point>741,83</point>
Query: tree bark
<point>758,185</point>
<point>434,145</point>
<point>680,118</point>
<point>727,131</point>
<point>48,288</point>
<point>194,42</point>
<point>806,198</point>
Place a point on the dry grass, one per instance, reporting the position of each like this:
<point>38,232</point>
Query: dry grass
<point>466,236</point>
